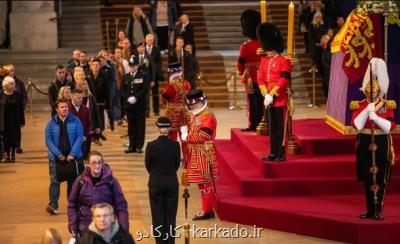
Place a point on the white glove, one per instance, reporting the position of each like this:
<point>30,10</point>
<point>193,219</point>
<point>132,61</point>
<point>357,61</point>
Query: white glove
<point>184,129</point>
<point>131,100</point>
<point>370,107</point>
<point>372,116</point>
<point>360,120</point>
<point>184,132</point>
<point>384,124</point>
<point>268,100</point>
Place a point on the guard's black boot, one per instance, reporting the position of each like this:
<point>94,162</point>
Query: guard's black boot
<point>270,157</point>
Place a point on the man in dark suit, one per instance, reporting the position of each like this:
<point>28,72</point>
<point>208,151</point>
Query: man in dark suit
<point>144,66</point>
<point>154,56</point>
<point>162,160</point>
<point>185,30</point>
<point>134,86</point>
<point>183,57</point>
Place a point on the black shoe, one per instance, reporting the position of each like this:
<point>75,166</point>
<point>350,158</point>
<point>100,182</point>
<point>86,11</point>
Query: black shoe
<point>103,137</point>
<point>203,216</point>
<point>280,158</point>
<point>378,216</point>
<point>18,150</point>
<point>139,150</point>
<point>130,150</point>
<point>51,210</point>
<point>366,215</point>
<point>112,128</point>
<point>270,157</point>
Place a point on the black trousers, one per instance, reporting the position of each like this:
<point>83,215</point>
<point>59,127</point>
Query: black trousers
<point>101,116</point>
<point>136,127</point>
<point>256,107</point>
<point>155,97</point>
<point>276,129</point>
<point>364,163</point>
<point>162,37</point>
<point>19,137</point>
<point>164,206</point>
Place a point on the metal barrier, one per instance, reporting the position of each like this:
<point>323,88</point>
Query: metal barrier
<point>233,74</point>
<point>29,90</point>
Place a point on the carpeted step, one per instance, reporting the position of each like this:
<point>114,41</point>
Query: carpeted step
<point>329,217</point>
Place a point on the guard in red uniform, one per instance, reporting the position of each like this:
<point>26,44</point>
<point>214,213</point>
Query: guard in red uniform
<point>201,166</point>
<point>274,76</point>
<point>381,113</point>
<point>247,66</point>
<point>174,95</point>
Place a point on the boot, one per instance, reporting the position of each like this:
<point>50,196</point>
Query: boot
<point>369,199</point>
<point>12,155</point>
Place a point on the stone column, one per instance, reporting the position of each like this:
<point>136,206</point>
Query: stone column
<point>33,25</point>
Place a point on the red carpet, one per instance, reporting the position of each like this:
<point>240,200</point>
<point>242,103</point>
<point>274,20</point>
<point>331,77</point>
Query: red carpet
<point>314,193</point>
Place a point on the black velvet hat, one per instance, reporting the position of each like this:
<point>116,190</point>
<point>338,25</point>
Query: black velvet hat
<point>194,96</point>
<point>163,122</point>
<point>270,37</point>
<point>249,20</point>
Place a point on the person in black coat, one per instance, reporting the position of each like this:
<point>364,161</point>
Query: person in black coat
<point>131,26</point>
<point>101,90</point>
<point>154,55</point>
<point>162,159</point>
<point>183,57</point>
<point>56,85</point>
<point>185,30</point>
<point>134,86</point>
<point>11,117</point>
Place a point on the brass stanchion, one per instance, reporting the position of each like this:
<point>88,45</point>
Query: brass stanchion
<point>186,232</point>
<point>234,106</point>
<point>314,77</point>
<point>200,79</point>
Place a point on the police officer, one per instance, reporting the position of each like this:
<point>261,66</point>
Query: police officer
<point>134,88</point>
<point>162,160</point>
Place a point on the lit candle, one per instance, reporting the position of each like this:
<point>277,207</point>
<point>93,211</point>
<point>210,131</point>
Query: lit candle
<point>289,49</point>
<point>263,11</point>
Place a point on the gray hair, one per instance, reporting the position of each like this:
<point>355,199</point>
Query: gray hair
<point>101,205</point>
<point>7,81</point>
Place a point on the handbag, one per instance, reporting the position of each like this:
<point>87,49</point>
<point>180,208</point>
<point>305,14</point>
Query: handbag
<point>68,170</point>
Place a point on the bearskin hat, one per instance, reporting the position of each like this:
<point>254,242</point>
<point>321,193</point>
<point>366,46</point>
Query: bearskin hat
<point>270,37</point>
<point>249,20</point>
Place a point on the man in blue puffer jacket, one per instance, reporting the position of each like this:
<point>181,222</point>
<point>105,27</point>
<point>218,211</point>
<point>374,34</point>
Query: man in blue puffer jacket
<point>64,135</point>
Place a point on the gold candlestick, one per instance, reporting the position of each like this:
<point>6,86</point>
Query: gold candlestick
<point>263,11</point>
<point>289,49</point>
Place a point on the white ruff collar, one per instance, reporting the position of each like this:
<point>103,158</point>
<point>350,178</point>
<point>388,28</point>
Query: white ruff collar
<point>198,111</point>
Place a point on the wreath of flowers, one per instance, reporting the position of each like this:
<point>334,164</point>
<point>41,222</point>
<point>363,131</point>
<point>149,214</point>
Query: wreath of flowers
<point>380,7</point>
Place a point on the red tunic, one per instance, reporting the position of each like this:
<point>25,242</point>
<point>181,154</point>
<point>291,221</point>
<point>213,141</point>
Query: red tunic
<point>248,60</point>
<point>201,154</point>
<point>175,94</point>
<point>380,109</point>
<point>274,72</point>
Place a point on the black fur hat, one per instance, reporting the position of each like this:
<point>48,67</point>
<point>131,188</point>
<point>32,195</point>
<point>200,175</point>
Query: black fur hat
<point>249,20</point>
<point>270,37</point>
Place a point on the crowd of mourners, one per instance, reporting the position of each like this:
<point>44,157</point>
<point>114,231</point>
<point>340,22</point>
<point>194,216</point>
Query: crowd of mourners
<point>320,21</point>
<point>89,95</point>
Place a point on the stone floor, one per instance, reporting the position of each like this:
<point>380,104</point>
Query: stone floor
<point>24,187</point>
